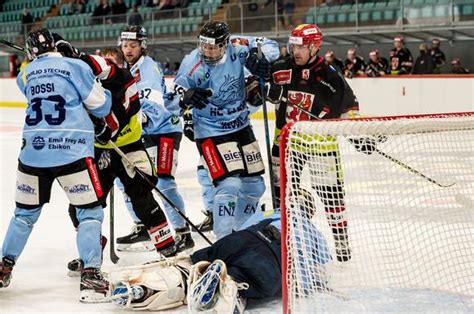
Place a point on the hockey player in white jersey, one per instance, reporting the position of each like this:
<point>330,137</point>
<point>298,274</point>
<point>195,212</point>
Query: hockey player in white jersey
<point>58,144</point>
<point>162,130</point>
<point>211,82</point>
<point>244,265</point>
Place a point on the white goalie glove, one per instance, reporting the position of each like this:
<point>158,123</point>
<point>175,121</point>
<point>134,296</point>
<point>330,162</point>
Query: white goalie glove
<point>212,290</point>
<point>154,286</point>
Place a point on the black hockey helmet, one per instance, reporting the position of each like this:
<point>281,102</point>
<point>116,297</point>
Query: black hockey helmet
<point>213,40</point>
<point>134,32</point>
<point>39,42</point>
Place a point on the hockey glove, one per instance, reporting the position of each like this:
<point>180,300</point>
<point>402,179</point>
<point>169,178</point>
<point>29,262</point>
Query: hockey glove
<point>195,98</point>
<point>252,87</point>
<point>365,145</point>
<point>256,66</point>
<point>65,48</point>
<point>102,131</point>
<point>274,92</point>
<point>188,126</point>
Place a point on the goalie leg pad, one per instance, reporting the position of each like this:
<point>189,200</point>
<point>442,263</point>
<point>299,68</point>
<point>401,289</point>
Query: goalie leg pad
<point>164,285</point>
<point>212,289</point>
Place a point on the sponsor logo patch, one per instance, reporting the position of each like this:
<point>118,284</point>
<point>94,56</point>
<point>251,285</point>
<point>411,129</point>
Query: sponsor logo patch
<point>38,143</point>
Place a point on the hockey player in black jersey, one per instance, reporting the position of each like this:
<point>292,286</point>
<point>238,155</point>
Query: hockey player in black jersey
<point>126,121</point>
<point>306,81</point>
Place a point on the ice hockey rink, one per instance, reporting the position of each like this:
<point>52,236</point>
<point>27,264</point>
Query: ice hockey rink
<point>40,283</point>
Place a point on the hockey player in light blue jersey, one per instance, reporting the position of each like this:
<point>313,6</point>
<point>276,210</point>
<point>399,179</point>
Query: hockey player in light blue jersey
<point>58,144</point>
<point>162,129</point>
<point>211,81</point>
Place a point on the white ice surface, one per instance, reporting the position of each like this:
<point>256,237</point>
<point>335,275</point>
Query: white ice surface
<point>40,284</point>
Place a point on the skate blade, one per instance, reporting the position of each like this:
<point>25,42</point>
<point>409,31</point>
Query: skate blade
<point>91,296</point>
<point>139,247</point>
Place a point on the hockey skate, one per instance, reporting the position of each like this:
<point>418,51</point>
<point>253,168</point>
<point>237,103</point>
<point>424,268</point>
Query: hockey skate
<point>6,267</point>
<point>207,224</point>
<point>183,239</point>
<point>341,243</point>
<point>94,288</point>
<point>75,266</point>
<point>137,241</point>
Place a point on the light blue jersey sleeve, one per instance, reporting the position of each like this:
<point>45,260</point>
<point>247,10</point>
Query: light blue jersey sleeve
<point>270,47</point>
<point>152,88</point>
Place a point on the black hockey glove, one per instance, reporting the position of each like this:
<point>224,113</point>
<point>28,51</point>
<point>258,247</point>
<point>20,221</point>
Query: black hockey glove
<point>195,98</point>
<point>365,145</point>
<point>65,48</point>
<point>274,92</point>
<point>188,126</point>
<point>256,66</point>
<point>253,91</point>
<point>102,131</point>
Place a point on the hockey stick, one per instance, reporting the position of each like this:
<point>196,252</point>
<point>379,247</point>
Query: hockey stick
<point>13,46</point>
<point>267,132</point>
<point>143,175</point>
<point>385,155</point>
<point>113,256</point>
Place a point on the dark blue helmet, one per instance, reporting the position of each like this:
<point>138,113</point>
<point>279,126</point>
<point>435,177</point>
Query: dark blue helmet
<point>39,42</point>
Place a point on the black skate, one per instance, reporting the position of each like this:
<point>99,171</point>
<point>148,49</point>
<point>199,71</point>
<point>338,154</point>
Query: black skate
<point>75,266</point>
<point>137,241</point>
<point>207,224</point>
<point>183,239</point>
<point>6,267</point>
<point>94,288</point>
<point>341,243</point>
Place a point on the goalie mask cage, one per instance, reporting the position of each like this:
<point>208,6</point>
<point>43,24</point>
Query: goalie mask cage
<point>377,206</point>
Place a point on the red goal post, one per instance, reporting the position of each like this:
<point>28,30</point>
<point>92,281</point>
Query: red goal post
<point>399,191</point>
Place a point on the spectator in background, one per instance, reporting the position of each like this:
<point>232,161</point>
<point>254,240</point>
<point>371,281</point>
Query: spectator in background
<point>166,5</point>
<point>283,53</point>
<point>353,65</point>
<point>289,9</point>
<point>119,9</point>
<point>424,64</point>
<point>456,67</point>
<point>98,52</point>
<point>26,21</point>
<point>401,61</point>
<point>101,10</point>
<point>331,59</point>
<point>437,55</point>
<point>377,66</point>
<point>280,9</point>
<point>135,18</point>
<point>76,6</point>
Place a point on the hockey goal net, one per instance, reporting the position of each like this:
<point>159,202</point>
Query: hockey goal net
<point>376,211</point>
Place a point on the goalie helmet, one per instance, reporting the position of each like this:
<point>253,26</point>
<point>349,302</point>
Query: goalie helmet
<point>134,32</point>
<point>306,34</point>
<point>213,40</point>
<point>39,42</point>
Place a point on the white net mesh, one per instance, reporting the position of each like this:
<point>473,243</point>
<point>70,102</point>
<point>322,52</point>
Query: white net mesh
<point>378,205</point>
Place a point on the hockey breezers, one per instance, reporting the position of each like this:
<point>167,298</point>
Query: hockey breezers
<point>163,197</point>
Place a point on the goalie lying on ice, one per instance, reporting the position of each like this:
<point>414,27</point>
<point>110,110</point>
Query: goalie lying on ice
<point>218,279</point>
